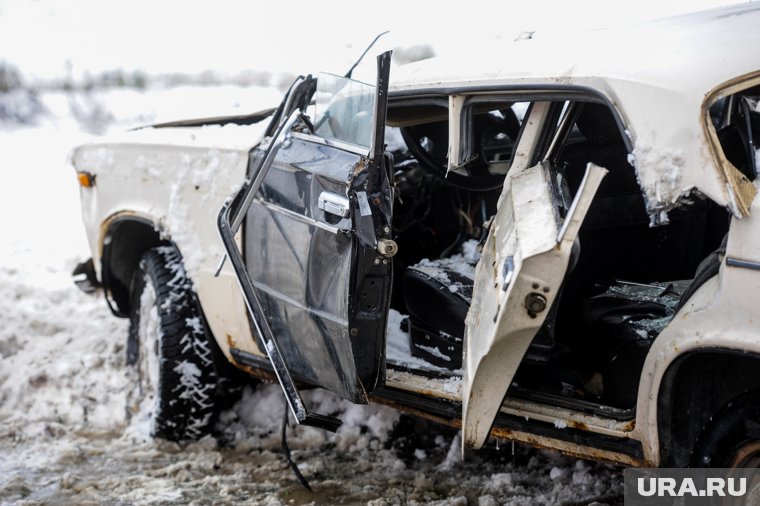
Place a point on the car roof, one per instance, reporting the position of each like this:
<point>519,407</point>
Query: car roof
<point>656,74</point>
<point>696,51</point>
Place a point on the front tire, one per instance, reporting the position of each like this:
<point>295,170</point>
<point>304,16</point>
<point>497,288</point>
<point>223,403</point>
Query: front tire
<point>168,351</point>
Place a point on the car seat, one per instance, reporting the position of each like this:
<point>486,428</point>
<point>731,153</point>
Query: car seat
<point>438,294</point>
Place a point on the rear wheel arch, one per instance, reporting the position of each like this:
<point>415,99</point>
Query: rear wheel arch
<point>695,387</point>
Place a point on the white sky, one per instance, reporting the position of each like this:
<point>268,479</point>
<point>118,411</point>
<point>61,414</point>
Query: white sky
<point>40,36</point>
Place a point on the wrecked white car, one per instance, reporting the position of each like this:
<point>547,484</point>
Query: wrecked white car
<point>558,244</point>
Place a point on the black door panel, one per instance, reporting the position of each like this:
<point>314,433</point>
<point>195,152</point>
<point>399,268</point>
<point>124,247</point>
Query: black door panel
<point>316,268</point>
<point>299,257</point>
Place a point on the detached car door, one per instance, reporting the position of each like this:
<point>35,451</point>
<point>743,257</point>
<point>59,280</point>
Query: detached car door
<point>316,263</point>
<point>524,262</point>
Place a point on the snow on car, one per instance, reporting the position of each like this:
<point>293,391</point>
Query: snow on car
<point>556,245</point>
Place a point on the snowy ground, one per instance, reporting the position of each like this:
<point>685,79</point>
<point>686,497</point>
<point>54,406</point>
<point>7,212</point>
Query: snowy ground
<point>63,434</point>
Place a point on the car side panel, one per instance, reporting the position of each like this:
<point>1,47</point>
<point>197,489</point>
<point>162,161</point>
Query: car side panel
<point>177,181</point>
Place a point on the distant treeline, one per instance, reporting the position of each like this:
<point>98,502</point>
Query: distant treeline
<point>12,79</point>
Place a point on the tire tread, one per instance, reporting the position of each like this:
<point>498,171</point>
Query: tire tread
<point>183,410</point>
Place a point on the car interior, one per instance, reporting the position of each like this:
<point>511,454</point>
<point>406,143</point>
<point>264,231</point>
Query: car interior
<point>627,277</point>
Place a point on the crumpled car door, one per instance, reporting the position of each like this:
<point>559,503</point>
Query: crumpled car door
<point>524,261</point>
<point>316,267</point>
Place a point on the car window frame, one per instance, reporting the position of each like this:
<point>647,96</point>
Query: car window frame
<point>523,93</point>
<point>741,193</point>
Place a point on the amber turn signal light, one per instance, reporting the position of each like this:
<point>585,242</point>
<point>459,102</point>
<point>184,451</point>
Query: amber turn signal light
<point>86,179</point>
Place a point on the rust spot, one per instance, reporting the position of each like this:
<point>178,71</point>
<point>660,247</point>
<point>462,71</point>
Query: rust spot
<point>577,425</point>
<point>588,452</point>
<point>451,422</point>
<point>231,341</point>
<point>360,166</point>
<point>259,374</point>
<point>527,438</point>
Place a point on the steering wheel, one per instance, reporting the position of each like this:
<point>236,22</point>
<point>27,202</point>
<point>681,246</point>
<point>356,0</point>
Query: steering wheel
<point>429,144</point>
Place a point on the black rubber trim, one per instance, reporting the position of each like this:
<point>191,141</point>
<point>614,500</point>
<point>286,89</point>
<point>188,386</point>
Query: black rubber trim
<point>742,264</point>
<point>621,415</point>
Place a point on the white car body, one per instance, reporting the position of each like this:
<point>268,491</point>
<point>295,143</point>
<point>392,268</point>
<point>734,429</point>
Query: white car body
<point>660,78</point>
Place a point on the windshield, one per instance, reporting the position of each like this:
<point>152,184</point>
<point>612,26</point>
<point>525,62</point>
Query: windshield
<point>344,109</point>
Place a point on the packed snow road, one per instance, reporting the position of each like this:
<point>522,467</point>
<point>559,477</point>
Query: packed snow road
<point>64,436</point>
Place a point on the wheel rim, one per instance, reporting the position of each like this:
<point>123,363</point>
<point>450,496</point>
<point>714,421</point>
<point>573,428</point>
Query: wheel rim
<point>748,456</point>
<point>148,362</point>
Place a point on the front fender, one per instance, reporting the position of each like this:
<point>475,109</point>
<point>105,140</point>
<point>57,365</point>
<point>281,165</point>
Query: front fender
<point>179,189</point>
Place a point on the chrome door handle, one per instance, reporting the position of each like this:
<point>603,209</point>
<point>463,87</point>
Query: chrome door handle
<point>333,203</point>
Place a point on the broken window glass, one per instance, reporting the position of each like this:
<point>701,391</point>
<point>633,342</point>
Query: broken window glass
<point>344,109</point>
<point>736,119</point>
